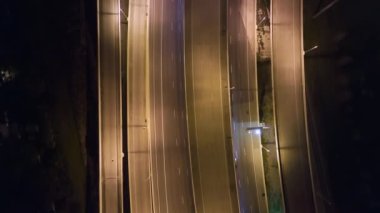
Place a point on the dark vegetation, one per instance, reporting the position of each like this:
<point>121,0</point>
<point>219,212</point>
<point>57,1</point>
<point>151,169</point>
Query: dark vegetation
<point>342,78</point>
<point>48,108</point>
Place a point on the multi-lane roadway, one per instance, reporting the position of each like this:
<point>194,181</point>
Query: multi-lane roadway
<point>137,131</point>
<point>110,123</point>
<point>207,93</point>
<point>170,165</point>
<point>180,106</point>
<point>244,105</point>
<point>290,105</point>
<point>159,166</point>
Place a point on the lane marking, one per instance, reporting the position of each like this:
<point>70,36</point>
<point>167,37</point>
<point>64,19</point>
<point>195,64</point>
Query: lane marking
<point>155,129</point>
<point>222,108</point>
<point>195,121</point>
<point>162,111</point>
<point>190,161</point>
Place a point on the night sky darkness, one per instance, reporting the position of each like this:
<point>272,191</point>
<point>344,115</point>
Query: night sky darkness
<point>47,43</point>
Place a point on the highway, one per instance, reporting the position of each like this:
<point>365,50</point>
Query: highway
<point>170,165</point>
<point>207,99</point>
<point>159,166</point>
<point>137,131</point>
<point>244,104</point>
<point>288,80</point>
<point>191,94</point>
<point>110,123</point>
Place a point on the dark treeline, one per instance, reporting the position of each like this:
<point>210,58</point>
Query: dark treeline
<point>48,107</point>
<point>342,80</point>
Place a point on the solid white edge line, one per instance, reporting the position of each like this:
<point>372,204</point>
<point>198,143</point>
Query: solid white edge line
<point>147,105</point>
<point>222,105</point>
<point>130,136</point>
<point>120,141</point>
<point>228,43</point>
<point>275,111</point>
<point>195,113</point>
<point>305,108</point>
<point>186,105</point>
<point>259,138</point>
<point>162,112</point>
<point>99,111</point>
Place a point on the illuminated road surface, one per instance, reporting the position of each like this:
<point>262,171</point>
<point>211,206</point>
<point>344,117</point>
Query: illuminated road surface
<point>244,104</point>
<point>171,172</point>
<point>208,107</point>
<point>110,130</point>
<point>159,167</point>
<point>289,100</point>
<point>158,148</point>
<point>138,143</point>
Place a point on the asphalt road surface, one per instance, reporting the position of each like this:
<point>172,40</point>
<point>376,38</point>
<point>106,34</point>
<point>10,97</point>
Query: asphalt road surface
<point>158,144</point>
<point>170,164</point>
<point>137,131</point>
<point>159,166</point>
<point>244,104</point>
<point>110,128</point>
<point>289,105</point>
<point>207,93</point>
